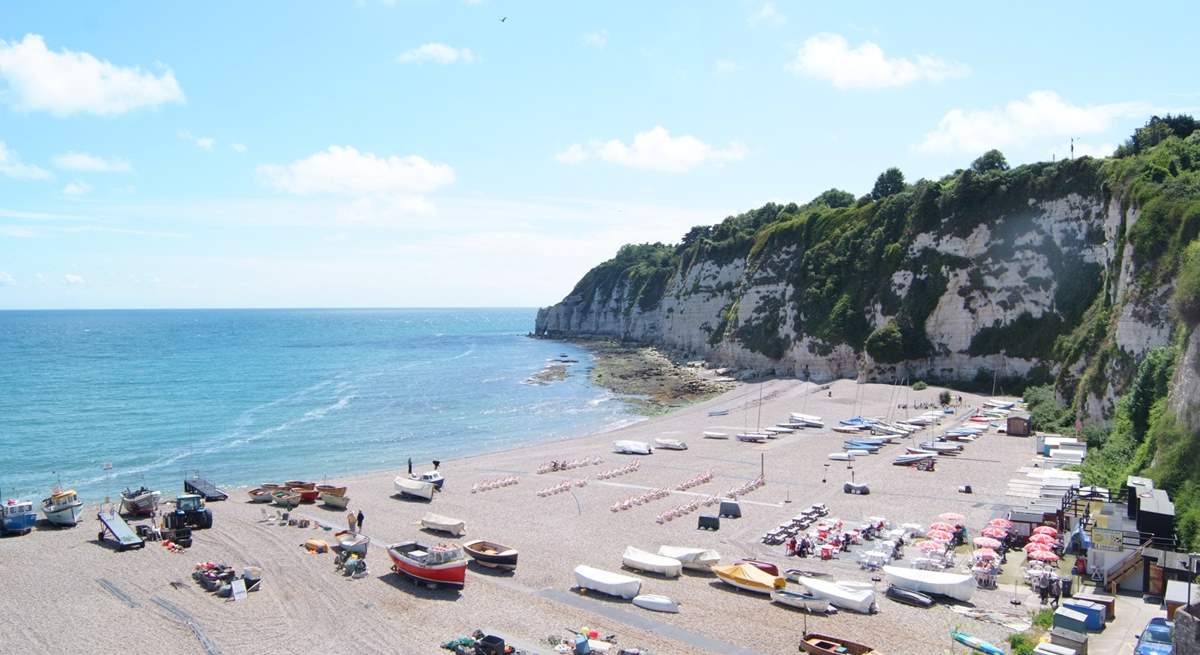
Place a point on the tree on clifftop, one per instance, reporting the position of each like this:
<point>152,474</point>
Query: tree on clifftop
<point>889,183</point>
<point>834,198</point>
<point>992,160</point>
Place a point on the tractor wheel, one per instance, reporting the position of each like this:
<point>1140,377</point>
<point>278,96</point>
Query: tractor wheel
<point>206,519</point>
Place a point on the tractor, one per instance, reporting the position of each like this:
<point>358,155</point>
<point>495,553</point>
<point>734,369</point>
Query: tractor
<point>190,512</point>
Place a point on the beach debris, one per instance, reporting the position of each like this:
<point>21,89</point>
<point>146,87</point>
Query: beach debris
<point>494,483</point>
<point>315,546</point>
<point>617,472</point>
<point>553,466</point>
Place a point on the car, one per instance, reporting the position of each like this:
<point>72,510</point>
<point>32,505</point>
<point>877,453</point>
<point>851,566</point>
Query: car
<point>1156,638</point>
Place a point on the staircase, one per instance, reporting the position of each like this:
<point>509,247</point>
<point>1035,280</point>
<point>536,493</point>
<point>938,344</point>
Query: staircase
<point>1123,569</point>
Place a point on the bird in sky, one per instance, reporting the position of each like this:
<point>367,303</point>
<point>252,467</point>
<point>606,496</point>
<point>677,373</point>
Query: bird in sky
<point>504,19</point>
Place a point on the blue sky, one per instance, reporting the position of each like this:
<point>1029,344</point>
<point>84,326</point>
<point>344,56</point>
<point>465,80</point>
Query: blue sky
<point>425,153</point>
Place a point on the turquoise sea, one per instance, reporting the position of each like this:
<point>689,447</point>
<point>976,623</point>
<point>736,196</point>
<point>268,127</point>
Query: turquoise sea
<point>110,399</point>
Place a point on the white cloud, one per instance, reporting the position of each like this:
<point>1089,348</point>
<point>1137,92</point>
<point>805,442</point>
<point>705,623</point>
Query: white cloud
<point>238,147</point>
<point>66,82</point>
<point>829,57</point>
<point>12,166</point>
<point>654,150</point>
<point>1041,114</point>
<point>82,161</point>
<point>201,142</point>
<point>75,188</point>
<point>73,279</point>
<point>345,170</point>
<point>767,13</point>
<point>597,39</point>
<point>7,280</point>
<point>725,66</point>
<point>438,53</point>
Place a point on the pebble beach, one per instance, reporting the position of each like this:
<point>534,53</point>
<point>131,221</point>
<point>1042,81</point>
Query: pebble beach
<point>120,601</point>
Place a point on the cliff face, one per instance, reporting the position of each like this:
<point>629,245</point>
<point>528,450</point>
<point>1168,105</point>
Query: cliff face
<point>1025,274</point>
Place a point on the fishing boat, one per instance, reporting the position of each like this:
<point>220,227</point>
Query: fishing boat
<point>656,603</point>
<point>306,494</point>
<point>858,600</point>
<point>433,477</point>
<point>696,559</point>
<point>715,435</point>
<point>765,567</point>
<point>406,486</point>
<point>300,484</point>
<point>333,490</point>
<point>607,582</point>
<point>260,495</point>
<point>627,447</point>
<point>800,600</point>
<point>975,643</point>
<point>815,643</point>
<point>63,507</point>
<point>908,597</point>
<point>750,578</point>
<point>491,554</point>
<point>439,565</point>
<point>959,586</point>
<point>439,523</point>
<point>17,516</point>
<point>640,560</point>
<point>140,501</point>
<point>336,501</point>
<point>352,542</point>
<point>670,444</point>
<point>285,498</point>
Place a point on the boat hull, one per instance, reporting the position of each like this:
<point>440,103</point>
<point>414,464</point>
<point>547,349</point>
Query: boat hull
<point>334,500</point>
<point>815,643</point>
<point>330,489</point>
<point>491,555</point>
<point>449,574</point>
<point>141,505</point>
<point>656,603</point>
<point>67,516</point>
<point>806,602</point>
<point>413,488</point>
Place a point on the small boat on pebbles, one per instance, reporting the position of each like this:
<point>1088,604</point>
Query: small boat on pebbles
<point>439,523</point>
<point>406,486</point>
<point>63,507</point>
<point>491,554</point>
<point>607,582</point>
<point>908,597</point>
<point>815,643</point>
<point>640,560</point>
<point>715,435</point>
<point>140,502</point>
<point>330,489</point>
<point>628,447</point>
<point>285,498</point>
<point>260,495</point>
<point>656,603</point>
<point>670,444</point>
<point>749,578</point>
<point>336,501</point>
<point>439,565</point>
<point>695,559</point>
<point>765,567</point>
<point>800,600</point>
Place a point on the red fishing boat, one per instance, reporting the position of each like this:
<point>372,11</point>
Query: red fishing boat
<point>441,564</point>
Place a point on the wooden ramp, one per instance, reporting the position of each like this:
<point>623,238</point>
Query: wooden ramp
<point>195,484</point>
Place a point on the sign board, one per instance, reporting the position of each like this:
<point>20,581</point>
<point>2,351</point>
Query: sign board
<point>1110,540</point>
<point>239,589</point>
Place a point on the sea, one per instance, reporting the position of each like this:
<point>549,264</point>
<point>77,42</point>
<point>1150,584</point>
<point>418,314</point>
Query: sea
<point>105,400</point>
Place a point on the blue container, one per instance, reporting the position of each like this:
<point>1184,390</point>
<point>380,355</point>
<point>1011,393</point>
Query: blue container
<point>1071,619</point>
<point>582,647</point>
<point>1093,611</point>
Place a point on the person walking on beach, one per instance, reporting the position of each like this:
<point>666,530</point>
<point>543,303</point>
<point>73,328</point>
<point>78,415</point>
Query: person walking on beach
<point>350,521</point>
<point>360,518</point>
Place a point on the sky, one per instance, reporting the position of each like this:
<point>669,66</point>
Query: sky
<point>488,153</point>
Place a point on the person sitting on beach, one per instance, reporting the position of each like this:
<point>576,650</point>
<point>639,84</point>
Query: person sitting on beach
<point>791,547</point>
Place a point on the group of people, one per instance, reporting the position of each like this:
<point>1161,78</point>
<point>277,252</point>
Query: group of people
<point>802,547</point>
<point>354,522</point>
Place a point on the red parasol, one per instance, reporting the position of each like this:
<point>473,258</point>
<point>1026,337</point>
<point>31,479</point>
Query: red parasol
<point>1043,556</point>
<point>931,546</point>
<point>1001,523</point>
<point>986,542</point>
<point>1036,545</point>
<point>941,526</point>
<point>951,517</point>
<point>1045,529</point>
<point>994,532</point>
<point>939,535</point>
<point>985,553</point>
<point>1042,539</point>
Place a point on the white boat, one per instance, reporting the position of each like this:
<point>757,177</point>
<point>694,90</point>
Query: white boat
<point>800,599</point>
<point>808,419</point>
<point>334,500</point>
<point>847,429</point>
<point>771,430</point>
<point>670,444</point>
<point>63,507</point>
<point>696,559</point>
<point>715,435</point>
<point>406,486</point>
<point>446,524</point>
<point>999,404</point>
<point>656,603</point>
<point>791,426</point>
<point>140,501</point>
<point>959,586</point>
<point>854,585</point>
<point>607,582</point>
<point>627,447</point>
<point>857,600</point>
<point>640,560</point>
<point>841,457</point>
<point>911,459</point>
<point>857,452</point>
<point>749,437</point>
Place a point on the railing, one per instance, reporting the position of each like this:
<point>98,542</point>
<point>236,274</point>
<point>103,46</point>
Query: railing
<point>1121,570</point>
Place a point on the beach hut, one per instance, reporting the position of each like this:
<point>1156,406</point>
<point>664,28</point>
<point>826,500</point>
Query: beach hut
<point>1019,425</point>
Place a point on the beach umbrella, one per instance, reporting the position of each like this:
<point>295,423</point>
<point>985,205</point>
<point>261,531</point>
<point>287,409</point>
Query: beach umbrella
<point>1001,523</point>
<point>1045,529</point>
<point>985,553</point>
<point>1042,539</point>
<point>1043,556</point>
<point>994,532</point>
<point>930,546</point>
<point>939,535</point>
<point>941,526</point>
<point>986,542</point>
<point>1035,545</point>
<point>951,517</point>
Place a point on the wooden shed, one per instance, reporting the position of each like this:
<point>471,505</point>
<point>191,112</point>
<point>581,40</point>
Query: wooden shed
<point>1019,425</point>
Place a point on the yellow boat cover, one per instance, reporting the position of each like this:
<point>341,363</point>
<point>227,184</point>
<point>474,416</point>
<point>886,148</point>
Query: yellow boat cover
<point>750,575</point>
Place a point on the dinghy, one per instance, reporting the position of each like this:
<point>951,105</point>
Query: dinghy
<point>260,495</point>
<point>715,435</point>
<point>941,446</point>
<point>841,457</point>
<point>777,430</point>
<point>336,501</point>
<point>914,598</point>
<point>331,489</point>
<point>141,502</point>
<point>959,586</point>
<point>858,452</point>
<point>640,560</point>
<point>627,447</point>
<point>748,437</point>
<point>656,603</point>
<point>440,523</point>
<point>352,542</point>
<point>406,486</point>
<point>846,429</point>
<point>285,498</point>
<point>750,578</point>
<point>815,643</point>
<point>670,444</point>
<point>910,460</point>
<point>975,643</point>
<point>696,559</point>
<point>858,600</point>
<point>808,420</point>
<point>607,582</point>
<point>491,554</point>
<point>719,412</point>
<point>801,600</point>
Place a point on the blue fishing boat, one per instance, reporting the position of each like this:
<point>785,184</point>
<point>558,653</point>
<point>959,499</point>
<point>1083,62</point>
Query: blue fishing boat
<point>975,643</point>
<point>19,516</point>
